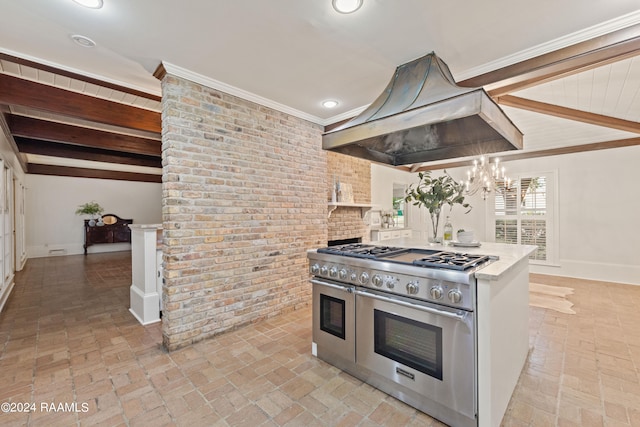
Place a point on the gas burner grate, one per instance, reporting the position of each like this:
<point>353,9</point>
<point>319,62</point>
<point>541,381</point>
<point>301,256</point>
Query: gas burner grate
<point>359,250</point>
<point>451,260</point>
<point>344,249</point>
<point>380,251</point>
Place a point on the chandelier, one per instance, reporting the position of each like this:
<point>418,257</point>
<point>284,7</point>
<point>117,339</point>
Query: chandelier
<point>486,177</point>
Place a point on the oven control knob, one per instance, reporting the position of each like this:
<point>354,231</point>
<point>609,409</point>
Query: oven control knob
<point>354,276</point>
<point>324,270</point>
<point>455,296</point>
<point>412,288</point>
<point>436,292</point>
<point>343,274</point>
<point>333,272</point>
<point>390,282</point>
<point>376,280</point>
<point>315,269</point>
<point>364,277</point>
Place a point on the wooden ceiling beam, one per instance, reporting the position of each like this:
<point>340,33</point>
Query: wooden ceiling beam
<point>40,169</point>
<point>67,151</point>
<point>569,113</point>
<point>59,132</point>
<point>6,131</point>
<point>17,91</point>
<point>596,52</point>
<point>520,155</point>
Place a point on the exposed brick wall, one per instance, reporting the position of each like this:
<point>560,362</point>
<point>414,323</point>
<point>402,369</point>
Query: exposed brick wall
<point>346,222</point>
<point>242,202</point>
<point>350,170</point>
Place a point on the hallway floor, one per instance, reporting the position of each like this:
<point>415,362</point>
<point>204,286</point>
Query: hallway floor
<point>71,351</point>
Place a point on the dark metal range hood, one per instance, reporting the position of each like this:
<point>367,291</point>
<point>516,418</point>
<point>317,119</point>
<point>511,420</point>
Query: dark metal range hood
<point>424,116</point>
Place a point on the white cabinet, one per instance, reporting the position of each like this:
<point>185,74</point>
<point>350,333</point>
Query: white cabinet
<point>386,234</point>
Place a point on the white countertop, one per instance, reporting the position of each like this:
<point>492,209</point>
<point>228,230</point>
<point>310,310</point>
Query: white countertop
<point>145,226</point>
<point>389,228</point>
<point>508,255</point>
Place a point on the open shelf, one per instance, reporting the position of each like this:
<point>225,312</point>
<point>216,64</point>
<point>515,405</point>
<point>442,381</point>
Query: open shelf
<point>364,208</point>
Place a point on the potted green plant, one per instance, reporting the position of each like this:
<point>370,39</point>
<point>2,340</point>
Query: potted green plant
<point>90,208</point>
<point>433,194</point>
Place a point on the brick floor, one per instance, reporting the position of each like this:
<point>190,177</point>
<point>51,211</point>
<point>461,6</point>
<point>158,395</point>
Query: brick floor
<point>66,336</point>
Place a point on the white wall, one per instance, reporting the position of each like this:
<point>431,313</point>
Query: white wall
<point>382,180</point>
<point>598,211</point>
<point>53,228</point>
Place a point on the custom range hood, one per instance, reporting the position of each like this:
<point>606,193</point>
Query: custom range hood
<point>424,116</point>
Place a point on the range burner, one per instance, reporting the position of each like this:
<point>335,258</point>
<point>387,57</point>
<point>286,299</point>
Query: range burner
<point>408,256</point>
<point>360,250</point>
<point>451,260</point>
<point>344,249</point>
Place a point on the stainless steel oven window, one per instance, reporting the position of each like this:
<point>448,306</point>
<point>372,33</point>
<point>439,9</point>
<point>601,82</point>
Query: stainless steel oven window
<point>332,315</point>
<point>412,343</point>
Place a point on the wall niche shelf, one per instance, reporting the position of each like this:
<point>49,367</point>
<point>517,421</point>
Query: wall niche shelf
<point>332,206</point>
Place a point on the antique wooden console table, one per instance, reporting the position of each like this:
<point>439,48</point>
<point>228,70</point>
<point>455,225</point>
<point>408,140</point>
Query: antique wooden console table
<point>114,230</point>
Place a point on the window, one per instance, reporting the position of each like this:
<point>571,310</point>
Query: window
<point>525,214</point>
<point>399,206</point>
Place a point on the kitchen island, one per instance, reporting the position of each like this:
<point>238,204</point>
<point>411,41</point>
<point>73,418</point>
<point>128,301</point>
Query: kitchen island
<point>502,310</point>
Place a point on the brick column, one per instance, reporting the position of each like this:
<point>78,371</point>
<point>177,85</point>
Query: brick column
<point>243,199</point>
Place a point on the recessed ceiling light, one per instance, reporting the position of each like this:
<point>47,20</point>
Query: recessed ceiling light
<point>346,6</point>
<point>329,103</point>
<point>93,4</point>
<point>83,41</point>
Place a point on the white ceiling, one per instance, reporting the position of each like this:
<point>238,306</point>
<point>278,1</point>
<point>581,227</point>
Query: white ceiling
<point>297,53</point>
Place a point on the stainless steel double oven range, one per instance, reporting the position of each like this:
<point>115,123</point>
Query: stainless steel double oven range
<point>402,320</point>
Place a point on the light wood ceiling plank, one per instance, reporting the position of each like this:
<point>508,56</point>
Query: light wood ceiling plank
<point>13,62</point>
<point>629,104</point>
<point>569,113</point>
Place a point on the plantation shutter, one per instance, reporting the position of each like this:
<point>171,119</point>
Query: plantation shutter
<point>521,214</point>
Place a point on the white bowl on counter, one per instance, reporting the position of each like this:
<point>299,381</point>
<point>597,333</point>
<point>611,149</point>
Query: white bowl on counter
<point>465,236</point>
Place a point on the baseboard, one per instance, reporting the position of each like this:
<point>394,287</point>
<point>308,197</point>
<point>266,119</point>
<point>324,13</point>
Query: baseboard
<point>4,296</point>
<point>617,273</point>
<point>74,249</point>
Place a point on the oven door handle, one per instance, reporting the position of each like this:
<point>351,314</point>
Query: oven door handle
<point>346,288</point>
<point>457,316</point>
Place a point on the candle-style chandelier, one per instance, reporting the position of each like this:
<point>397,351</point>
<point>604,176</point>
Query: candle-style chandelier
<point>486,177</point>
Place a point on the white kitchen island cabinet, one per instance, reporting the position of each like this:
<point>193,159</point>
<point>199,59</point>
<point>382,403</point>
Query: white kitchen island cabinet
<point>502,312</point>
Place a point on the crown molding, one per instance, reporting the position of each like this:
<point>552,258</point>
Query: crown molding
<point>344,116</point>
<point>601,29</point>
<point>168,68</point>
